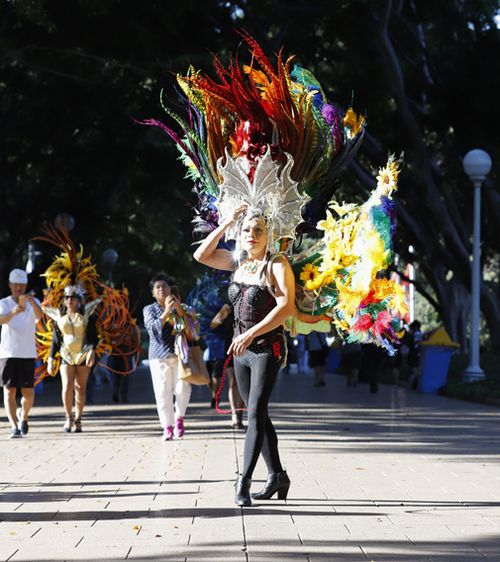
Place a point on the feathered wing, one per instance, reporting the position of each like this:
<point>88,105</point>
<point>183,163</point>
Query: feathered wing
<point>342,278</point>
<point>208,297</point>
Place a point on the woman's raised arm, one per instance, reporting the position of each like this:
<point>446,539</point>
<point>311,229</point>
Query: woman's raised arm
<point>207,252</point>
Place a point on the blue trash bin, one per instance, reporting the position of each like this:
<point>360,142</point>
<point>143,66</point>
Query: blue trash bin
<point>333,361</point>
<point>434,367</point>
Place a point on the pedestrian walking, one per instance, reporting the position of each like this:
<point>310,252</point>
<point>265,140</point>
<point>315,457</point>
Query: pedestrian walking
<point>159,320</point>
<point>19,313</point>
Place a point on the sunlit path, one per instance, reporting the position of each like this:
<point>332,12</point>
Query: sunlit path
<point>386,477</point>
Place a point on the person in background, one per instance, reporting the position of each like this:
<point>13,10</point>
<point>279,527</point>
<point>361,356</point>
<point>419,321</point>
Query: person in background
<point>122,362</point>
<point>373,358</point>
<point>224,320</point>
<point>302,355</point>
<point>215,351</point>
<point>412,340</point>
<point>352,356</point>
<point>19,314</point>
<point>318,353</point>
<point>159,319</point>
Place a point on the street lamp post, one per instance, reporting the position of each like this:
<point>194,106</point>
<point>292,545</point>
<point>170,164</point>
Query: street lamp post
<point>477,164</point>
<point>65,220</point>
<point>109,258</point>
<point>33,253</point>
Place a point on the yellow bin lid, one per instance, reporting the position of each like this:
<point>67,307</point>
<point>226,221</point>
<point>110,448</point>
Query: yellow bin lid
<point>440,337</point>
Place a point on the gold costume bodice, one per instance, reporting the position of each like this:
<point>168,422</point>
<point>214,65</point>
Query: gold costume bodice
<point>74,349</point>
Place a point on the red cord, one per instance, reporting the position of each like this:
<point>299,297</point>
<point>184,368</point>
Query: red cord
<point>219,391</point>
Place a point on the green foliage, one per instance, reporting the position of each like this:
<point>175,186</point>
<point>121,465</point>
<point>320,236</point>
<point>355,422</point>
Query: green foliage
<point>74,74</point>
<point>486,391</point>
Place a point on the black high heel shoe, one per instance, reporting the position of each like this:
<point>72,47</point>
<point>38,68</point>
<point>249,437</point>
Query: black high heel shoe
<point>276,483</point>
<point>242,492</point>
<point>78,426</point>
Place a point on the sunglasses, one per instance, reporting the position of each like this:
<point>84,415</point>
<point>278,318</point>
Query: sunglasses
<point>70,297</point>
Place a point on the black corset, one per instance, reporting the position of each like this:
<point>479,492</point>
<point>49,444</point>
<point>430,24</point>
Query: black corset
<point>251,304</point>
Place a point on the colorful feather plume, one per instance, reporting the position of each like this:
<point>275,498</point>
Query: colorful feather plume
<point>254,108</point>
<point>342,278</point>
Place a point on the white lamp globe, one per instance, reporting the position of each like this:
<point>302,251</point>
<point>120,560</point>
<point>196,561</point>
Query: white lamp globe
<point>477,164</point>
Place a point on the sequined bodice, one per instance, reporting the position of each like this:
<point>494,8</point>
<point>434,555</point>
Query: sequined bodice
<point>251,304</point>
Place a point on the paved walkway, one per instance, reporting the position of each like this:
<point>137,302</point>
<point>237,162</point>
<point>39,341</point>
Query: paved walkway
<point>394,476</point>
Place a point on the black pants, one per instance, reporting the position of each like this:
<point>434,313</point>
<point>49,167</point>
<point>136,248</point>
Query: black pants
<point>256,375</point>
<point>120,387</point>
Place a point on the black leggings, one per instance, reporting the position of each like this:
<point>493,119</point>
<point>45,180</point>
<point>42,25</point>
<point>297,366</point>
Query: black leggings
<point>256,375</point>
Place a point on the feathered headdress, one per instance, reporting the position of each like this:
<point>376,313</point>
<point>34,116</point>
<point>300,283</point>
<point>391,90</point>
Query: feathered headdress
<point>260,134</point>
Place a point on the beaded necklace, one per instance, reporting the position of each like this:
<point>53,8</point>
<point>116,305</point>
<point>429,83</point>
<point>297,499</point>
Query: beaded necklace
<point>250,266</point>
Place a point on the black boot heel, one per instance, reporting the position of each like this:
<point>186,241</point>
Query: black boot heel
<point>276,483</point>
<point>283,493</point>
<point>242,492</point>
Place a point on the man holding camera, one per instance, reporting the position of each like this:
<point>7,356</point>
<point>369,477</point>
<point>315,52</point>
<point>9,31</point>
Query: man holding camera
<point>19,314</point>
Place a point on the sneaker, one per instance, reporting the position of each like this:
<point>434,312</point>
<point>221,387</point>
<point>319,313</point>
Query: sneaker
<point>179,427</point>
<point>24,427</point>
<point>168,434</point>
<point>15,433</point>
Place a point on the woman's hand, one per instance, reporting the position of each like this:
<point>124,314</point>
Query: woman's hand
<point>50,366</point>
<point>237,212</point>
<point>89,362</point>
<point>240,343</point>
<point>172,303</point>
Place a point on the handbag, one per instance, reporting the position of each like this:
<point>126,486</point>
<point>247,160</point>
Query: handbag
<point>195,370</point>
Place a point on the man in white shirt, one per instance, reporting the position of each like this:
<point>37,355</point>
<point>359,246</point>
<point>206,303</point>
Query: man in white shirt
<point>19,314</point>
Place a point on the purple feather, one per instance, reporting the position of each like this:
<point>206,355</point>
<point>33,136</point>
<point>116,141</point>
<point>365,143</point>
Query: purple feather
<point>170,132</point>
<point>332,117</point>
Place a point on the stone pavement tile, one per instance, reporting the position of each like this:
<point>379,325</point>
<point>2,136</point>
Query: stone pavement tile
<point>15,532</point>
<point>270,529</point>
<point>152,552</point>
<point>324,550</point>
<point>173,501</point>
<point>313,529</point>
<point>207,553</point>
<point>61,553</point>
<point>217,532</point>
<point>384,549</point>
<point>34,512</point>
<point>170,533</point>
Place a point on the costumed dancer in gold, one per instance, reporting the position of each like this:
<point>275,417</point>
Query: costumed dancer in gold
<point>75,338</point>
<point>85,320</point>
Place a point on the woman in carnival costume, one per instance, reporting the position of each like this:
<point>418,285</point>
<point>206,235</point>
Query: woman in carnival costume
<point>74,337</point>
<point>86,320</point>
<point>263,146</point>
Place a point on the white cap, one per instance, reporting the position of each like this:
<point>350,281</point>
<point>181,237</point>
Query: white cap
<point>18,276</point>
